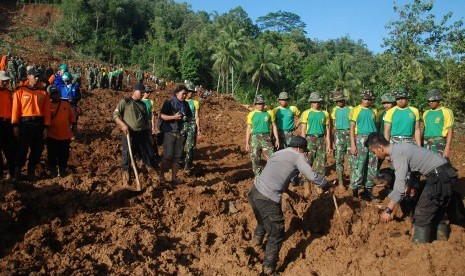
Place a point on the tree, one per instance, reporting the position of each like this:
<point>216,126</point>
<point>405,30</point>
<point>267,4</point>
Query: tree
<point>281,21</point>
<point>264,66</point>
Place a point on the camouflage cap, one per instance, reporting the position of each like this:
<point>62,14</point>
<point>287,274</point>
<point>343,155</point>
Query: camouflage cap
<point>434,95</point>
<point>338,96</point>
<point>367,95</point>
<point>190,87</point>
<point>283,96</point>
<point>400,93</point>
<point>388,98</point>
<point>315,97</point>
<point>259,99</point>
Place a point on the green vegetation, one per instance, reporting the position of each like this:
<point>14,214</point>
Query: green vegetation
<point>230,53</point>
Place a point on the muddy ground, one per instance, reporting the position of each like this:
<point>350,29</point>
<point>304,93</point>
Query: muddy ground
<point>83,224</point>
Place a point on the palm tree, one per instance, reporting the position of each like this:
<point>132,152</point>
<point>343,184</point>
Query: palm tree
<point>229,49</point>
<point>338,70</point>
<point>264,66</point>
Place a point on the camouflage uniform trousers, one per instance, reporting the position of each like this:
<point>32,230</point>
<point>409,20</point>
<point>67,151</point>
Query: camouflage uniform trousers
<point>284,138</point>
<point>364,165</point>
<point>342,142</point>
<point>435,144</point>
<point>190,143</point>
<point>317,153</point>
<point>259,143</point>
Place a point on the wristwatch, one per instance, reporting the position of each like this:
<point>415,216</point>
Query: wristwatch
<point>388,210</point>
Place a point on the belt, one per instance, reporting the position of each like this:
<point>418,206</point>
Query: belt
<point>32,119</point>
<point>261,134</point>
<point>434,138</point>
<point>402,137</point>
<point>342,129</point>
<point>438,170</point>
<point>315,135</point>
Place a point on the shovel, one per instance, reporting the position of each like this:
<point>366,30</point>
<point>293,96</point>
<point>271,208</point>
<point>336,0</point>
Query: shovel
<point>138,188</point>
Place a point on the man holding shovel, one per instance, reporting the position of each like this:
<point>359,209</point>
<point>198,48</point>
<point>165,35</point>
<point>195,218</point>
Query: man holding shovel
<point>265,197</point>
<point>132,116</point>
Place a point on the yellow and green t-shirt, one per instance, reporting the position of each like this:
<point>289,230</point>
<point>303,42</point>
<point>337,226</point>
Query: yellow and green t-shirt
<point>260,121</point>
<point>193,105</point>
<point>316,121</point>
<point>364,118</point>
<point>402,120</point>
<point>437,122</point>
<point>340,115</point>
<point>381,117</point>
<point>285,117</point>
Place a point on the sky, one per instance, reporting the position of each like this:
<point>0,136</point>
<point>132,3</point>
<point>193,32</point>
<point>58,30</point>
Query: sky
<point>327,19</point>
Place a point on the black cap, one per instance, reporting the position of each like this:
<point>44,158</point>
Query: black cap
<point>34,71</point>
<point>52,89</point>
<point>298,142</point>
<point>140,87</point>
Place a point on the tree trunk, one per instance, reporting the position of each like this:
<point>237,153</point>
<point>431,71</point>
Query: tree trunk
<point>219,78</point>
<point>258,85</point>
<point>232,80</point>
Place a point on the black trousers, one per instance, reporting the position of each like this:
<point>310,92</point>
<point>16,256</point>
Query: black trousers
<point>140,146</point>
<point>435,198</point>
<point>8,145</point>
<point>30,138</point>
<point>270,220</point>
<point>57,153</point>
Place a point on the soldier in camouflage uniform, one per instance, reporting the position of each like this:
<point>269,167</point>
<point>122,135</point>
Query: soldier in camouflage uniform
<point>192,128</point>
<point>285,119</point>
<point>402,122</point>
<point>388,101</point>
<point>12,72</point>
<point>260,123</point>
<point>341,128</point>
<point>89,77</point>
<point>315,128</point>
<point>439,125</point>
<point>364,163</point>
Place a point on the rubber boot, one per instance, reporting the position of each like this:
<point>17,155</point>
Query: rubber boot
<point>62,171</point>
<point>340,180</point>
<point>442,233</point>
<point>17,174</point>
<point>421,234</point>
<point>31,172</point>
<point>355,193</point>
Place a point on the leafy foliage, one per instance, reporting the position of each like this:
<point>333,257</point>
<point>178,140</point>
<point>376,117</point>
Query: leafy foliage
<point>231,54</point>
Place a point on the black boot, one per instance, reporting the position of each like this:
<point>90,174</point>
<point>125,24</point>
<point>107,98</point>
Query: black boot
<point>31,172</point>
<point>421,234</point>
<point>355,193</point>
<point>17,174</point>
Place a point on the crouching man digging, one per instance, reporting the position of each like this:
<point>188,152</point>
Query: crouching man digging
<point>265,197</point>
<point>428,218</point>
